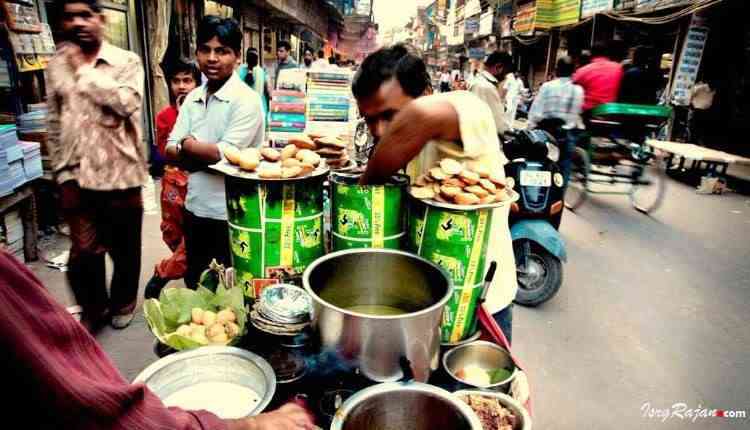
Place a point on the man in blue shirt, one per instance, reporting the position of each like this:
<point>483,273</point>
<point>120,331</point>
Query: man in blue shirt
<point>222,112</point>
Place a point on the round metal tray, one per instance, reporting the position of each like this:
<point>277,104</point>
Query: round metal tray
<point>230,169</point>
<point>514,196</point>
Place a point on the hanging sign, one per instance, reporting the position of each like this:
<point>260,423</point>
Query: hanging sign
<point>690,61</point>
<point>592,7</point>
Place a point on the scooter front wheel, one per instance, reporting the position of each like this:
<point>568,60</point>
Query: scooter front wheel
<point>539,274</point>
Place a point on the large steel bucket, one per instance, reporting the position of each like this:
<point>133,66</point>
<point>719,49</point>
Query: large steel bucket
<point>384,347</point>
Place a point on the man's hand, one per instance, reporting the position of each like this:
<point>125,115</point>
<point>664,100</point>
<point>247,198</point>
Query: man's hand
<point>75,56</point>
<point>287,417</point>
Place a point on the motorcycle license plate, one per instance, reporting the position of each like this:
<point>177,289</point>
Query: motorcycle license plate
<point>534,178</point>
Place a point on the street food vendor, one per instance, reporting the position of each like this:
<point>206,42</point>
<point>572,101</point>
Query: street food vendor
<point>57,370</point>
<point>414,129</point>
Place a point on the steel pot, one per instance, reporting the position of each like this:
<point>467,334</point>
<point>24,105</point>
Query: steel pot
<point>385,348</point>
<point>409,406</point>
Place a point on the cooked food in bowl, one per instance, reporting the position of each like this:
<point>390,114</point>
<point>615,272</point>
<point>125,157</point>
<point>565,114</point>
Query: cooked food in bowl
<point>480,377</point>
<point>492,413</point>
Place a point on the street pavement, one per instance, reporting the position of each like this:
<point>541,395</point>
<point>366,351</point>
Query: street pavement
<point>652,312</point>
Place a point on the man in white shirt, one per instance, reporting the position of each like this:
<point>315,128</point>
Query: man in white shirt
<point>415,129</point>
<point>222,112</point>
<point>512,90</point>
<point>485,86</point>
<point>445,81</point>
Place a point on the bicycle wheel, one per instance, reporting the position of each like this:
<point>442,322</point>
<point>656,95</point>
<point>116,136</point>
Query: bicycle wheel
<point>646,198</point>
<point>577,192</point>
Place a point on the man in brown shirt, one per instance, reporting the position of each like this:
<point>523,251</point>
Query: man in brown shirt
<point>95,92</point>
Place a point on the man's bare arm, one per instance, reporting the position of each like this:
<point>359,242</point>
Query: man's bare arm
<point>422,120</point>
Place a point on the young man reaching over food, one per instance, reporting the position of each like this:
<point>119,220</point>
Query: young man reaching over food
<point>415,129</point>
<point>223,113</point>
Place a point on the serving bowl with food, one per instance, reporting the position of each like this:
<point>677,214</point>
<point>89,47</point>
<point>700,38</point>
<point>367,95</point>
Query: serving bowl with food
<point>481,364</point>
<point>496,411</point>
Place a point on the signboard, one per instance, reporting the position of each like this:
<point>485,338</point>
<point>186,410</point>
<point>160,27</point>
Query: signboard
<point>592,7</point>
<point>477,53</point>
<point>472,25</point>
<point>556,13</point>
<point>485,23</point>
<point>524,22</point>
<point>472,7</point>
<point>690,61</point>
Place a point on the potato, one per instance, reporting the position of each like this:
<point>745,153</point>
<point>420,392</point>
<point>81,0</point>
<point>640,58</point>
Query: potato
<point>215,330</point>
<point>249,159</point>
<point>209,318</point>
<point>466,199</point>
<point>311,158</point>
<point>233,330</point>
<point>270,171</point>
<point>303,142</point>
<point>487,185</point>
<point>422,192</point>
<point>219,339</point>
<point>184,330</point>
<point>270,154</point>
<point>451,166</point>
<point>502,195</point>
<point>469,177</point>
<point>449,191</point>
<point>197,314</point>
<point>291,162</point>
<point>226,315</point>
<point>477,191</point>
<point>288,152</point>
<point>291,172</point>
<point>232,154</point>
<point>438,174</point>
<point>307,168</point>
<point>302,153</point>
<point>200,338</point>
<point>198,331</point>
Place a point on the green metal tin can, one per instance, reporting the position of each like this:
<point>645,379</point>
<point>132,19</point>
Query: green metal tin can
<point>371,216</point>
<point>457,241</point>
<point>275,227</point>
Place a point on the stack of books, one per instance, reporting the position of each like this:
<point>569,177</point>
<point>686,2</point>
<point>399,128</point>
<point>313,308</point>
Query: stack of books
<point>32,160</point>
<point>11,160</point>
<point>11,234</point>
<point>328,96</point>
<point>4,74</point>
<point>287,111</point>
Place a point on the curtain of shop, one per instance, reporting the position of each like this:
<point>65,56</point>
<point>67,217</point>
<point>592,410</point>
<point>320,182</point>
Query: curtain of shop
<point>158,14</point>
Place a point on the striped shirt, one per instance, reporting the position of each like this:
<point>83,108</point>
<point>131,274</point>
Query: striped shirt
<point>53,365</point>
<point>559,98</point>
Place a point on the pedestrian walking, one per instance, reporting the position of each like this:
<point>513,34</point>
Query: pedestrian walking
<point>256,77</point>
<point>485,86</point>
<point>285,62</point>
<point>221,113</point>
<point>445,81</point>
<point>95,94</point>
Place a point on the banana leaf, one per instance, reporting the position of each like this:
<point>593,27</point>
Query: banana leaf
<point>174,308</point>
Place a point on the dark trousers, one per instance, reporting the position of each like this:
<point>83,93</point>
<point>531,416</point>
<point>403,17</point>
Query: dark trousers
<point>205,239</point>
<point>103,222</point>
<point>504,319</point>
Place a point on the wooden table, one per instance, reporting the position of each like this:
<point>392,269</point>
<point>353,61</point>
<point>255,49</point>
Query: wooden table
<point>23,198</point>
<point>712,161</point>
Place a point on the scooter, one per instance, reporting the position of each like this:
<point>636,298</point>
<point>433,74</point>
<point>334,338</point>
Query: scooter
<point>535,217</point>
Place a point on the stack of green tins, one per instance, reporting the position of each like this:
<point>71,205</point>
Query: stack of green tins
<point>371,216</point>
<point>275,227</point>
<point>457,241</point>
